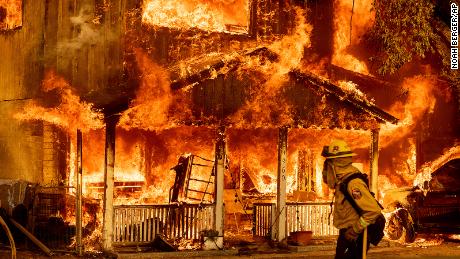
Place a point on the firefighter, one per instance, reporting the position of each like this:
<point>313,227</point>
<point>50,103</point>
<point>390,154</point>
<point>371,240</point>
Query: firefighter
<point>351,219</point>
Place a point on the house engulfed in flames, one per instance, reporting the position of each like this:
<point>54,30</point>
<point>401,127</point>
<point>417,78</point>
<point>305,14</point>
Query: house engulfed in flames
<point>151,115</point>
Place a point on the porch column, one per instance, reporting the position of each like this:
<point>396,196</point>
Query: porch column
<point>280,218</point>
<point>78,194</point>
<point>219,182</point>
<point>374,161</point>
<point>107,225</point>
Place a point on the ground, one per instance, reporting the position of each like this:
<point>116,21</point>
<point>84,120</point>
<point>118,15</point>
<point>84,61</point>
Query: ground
<point>447,249</point>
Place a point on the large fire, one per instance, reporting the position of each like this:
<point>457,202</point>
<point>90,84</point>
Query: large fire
<point>218,16</point>
<point>154,91</point>
<point>143,160</point>
<point>151,134</point>
<point>273,76</point>
<point>70,112</point>
<point>352,20</point>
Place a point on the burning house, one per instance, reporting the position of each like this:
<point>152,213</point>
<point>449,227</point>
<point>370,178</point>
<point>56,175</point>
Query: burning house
<point>125,120</point>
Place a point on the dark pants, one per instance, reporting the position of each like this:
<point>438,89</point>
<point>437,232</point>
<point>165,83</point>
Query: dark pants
<point>349,249</point>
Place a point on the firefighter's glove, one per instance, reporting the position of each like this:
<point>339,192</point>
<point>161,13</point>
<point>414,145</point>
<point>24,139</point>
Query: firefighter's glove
<point>351,235</point>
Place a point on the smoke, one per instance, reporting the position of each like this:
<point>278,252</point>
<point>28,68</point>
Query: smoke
<point>85,23</point>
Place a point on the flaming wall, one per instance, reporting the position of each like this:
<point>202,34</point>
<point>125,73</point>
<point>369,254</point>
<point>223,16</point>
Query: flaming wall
<point>103,49</point>
<point>67,37</point>
<point>21,145</point>
<point>73,56</point>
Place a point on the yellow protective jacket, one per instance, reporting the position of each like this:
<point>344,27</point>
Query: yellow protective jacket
<point>344,214</point>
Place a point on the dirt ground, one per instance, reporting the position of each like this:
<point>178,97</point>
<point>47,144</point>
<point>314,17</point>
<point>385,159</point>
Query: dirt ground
<point>443,249</point>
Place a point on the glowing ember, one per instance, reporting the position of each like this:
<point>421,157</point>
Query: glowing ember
<point>352,88</point>
<point>206,15</point>
<point>434,240</point>
<point>454,237</point>
<point>92,242</point>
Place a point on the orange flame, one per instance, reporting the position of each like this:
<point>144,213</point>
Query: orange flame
<point>72,113</point>
<point>151,108</point>
<point>427,169</point>
<point>10,14</point>
<point>143,161</point>
<point>362,20</point>
<point>255,150</point>
<point>206,15</point>
<point>273,76</point>
<point>353,89</point>
<point>420,100</point>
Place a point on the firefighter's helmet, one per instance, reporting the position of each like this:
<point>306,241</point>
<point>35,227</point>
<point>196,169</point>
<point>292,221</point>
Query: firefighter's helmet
<point>337,148</point>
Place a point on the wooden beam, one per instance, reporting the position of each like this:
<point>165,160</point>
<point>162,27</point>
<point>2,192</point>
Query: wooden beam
<point>219,183</point>
<point>78,195</point>
<point>273,230</point>
<point>109,168</point>
<point>302,175</point>
<point>219,65</point>
<point>340,73</point>
<point>374,161</point>
<point>225,63</point>
<point>324,85</point>
<point>281,185</point>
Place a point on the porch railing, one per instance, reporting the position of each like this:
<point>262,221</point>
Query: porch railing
<point>138,224</point>
<point>313,216</point>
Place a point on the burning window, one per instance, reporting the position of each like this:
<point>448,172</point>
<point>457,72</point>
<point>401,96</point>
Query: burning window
<point>208,15</point>
<point>10,14</point>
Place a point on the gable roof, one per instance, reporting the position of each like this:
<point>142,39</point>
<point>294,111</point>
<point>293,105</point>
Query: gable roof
<point>211,89</point>
<point>320,84</point>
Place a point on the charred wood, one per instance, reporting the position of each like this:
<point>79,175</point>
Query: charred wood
<point>324,85</point>
<point>221,64</point>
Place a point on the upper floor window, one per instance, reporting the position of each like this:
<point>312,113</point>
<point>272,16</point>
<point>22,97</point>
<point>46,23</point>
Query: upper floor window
<point>231,16</point>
